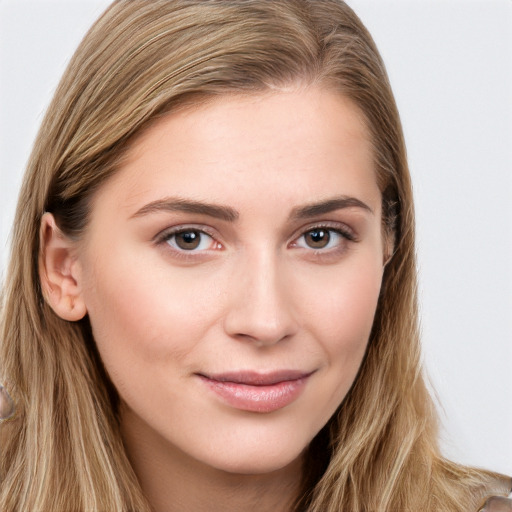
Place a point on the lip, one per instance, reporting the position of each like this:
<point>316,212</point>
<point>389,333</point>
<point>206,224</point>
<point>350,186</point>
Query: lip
<point>257,392</point>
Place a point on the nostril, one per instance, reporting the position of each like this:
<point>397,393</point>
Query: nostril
<point>260,308</point>
<point>259,328</point>
<point>262,340</point>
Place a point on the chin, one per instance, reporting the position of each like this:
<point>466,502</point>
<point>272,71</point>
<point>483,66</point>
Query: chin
<point>261,464</point>
<point>256,458</point>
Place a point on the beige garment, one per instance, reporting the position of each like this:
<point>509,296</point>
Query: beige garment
<point>497,504</point>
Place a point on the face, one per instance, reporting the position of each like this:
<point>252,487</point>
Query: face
<point>231,271</point>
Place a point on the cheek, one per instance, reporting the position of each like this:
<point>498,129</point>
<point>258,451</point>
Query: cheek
<point>148,315</point>
<point>341,318</point>
<point>125,320</point>
<point>344,306</point>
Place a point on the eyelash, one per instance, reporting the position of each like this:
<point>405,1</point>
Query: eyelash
<point>167,235</point>
<point>342,231</point>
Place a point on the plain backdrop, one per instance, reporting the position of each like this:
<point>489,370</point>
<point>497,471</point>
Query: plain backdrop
<point>450,65</point>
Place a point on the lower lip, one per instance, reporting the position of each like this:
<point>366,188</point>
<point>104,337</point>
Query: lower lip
<point>257,398</point>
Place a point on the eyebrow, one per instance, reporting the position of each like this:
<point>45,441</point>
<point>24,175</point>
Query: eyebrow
<point>228,214</point>
<point>328,206</point>
<point>177,204</point>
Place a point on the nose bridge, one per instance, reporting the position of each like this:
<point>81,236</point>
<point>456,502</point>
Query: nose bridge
<point>260,309</point>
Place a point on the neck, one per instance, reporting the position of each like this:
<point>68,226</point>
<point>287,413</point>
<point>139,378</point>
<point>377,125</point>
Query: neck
<point>174,482</point>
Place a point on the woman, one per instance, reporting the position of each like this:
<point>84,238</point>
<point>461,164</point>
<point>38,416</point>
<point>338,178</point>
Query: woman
<point>212,304</point>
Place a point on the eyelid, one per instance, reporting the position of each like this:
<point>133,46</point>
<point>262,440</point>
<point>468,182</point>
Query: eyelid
<point>340,227</point>
<point>168,232</point>
<point>161,238</point>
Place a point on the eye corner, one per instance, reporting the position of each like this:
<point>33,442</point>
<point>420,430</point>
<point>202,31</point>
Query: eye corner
<point>188,240</point>
<point>323,237</point>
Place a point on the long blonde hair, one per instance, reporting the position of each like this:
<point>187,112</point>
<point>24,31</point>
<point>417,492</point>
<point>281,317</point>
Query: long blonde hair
<point>142,59</point>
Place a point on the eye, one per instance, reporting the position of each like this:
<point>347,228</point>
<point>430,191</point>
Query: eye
<point>323,238</point>
<point>190,240</point>
<point>318,238</point>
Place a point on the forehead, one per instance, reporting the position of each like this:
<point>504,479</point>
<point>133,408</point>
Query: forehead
<point>276,144</point>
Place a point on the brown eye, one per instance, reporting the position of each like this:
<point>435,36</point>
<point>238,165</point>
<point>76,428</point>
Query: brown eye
<point>190,240</point>
<point>317,238</point>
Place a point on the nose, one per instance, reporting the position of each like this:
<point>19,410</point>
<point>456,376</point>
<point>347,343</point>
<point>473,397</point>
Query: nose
<point>261,308</point>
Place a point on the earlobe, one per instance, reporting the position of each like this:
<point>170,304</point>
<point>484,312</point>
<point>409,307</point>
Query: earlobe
<point>389,248</point>
<point>59,271</point>
<point>388,255</point>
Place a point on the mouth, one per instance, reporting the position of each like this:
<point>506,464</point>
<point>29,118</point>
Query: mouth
<point>257,392</point>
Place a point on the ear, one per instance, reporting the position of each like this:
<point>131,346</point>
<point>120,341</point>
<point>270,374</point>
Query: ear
<point>389,247</point>
<point>59,271</point>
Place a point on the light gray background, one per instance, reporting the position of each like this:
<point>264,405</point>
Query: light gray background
<point>450,64</point>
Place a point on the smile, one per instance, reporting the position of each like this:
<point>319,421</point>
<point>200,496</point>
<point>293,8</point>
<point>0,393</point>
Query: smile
<point>256,392</point>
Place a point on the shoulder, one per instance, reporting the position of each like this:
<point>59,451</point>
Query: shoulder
<point>501,485</point>
<point>497,504</point>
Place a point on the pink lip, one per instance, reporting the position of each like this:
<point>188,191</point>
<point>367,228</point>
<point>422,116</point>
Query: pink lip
<point>257,392</point>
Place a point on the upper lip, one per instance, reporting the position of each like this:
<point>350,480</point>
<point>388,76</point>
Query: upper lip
<point>254,378</point>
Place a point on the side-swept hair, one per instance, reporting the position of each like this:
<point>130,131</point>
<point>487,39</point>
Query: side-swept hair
<point>141,60</point>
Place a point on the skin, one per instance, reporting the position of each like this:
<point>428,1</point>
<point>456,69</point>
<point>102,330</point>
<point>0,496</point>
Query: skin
<point>256,294</point>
